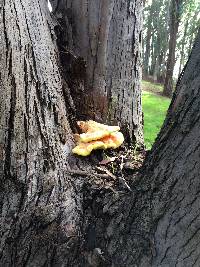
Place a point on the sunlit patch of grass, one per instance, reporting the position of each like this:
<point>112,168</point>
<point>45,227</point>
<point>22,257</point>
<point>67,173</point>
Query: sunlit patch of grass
<point>154,107</point>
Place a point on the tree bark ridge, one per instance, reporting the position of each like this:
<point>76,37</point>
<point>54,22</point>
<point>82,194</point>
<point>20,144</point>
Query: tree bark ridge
<point>37,199</point>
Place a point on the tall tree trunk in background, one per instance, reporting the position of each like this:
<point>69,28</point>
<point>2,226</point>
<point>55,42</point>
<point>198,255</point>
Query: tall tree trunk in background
<point>152,55</point>
<point>147,51</point>
<point>148,44</point>
<point>183,48</point>
<point>107,36</point>
<point>160,76</point>
<point>48,217</point>
<point>157,55</point>
<point>156,69</point>
<point>155,39</point>
<point>174,24</point>
<point>193,31</point>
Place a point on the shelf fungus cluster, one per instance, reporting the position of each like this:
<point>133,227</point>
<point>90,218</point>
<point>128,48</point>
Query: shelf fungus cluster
<point>96,136</point>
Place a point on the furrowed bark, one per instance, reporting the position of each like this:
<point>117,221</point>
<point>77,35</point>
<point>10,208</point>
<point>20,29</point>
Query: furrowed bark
<point>39,209</point>
<point>175,179</point>
<point>48,217</point>
<point>106,35</point>
<point>157,224</point>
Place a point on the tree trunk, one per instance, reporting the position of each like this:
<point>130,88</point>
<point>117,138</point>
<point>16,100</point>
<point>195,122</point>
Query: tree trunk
<point>174,180</point>
<point>161,68</point>
<point>174,24</point>
<point>153,61</point>
<point>107,36</point>
<point>40,211</point>
<point>157,224</point>
<point>157,54</point>
<point>193,31</point>
<point>148,43</point>
<point>48,217</point>
<point>147,52</point>
<point>156,69</point>
<point>182,53</point>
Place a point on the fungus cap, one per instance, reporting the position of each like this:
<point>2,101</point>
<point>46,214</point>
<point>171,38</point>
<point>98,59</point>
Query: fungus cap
<point>114,140</point>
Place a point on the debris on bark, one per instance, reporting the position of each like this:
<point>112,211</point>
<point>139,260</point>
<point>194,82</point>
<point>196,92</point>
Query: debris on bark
<point>105,186</point>
<point>114,170</point>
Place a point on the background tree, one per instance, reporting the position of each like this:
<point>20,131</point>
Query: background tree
<point>190,23</point>
<point>49,217</point>
<point>155,39</point>
<point>175,11</point>
<point>157,21</point>
<point>147,40</point>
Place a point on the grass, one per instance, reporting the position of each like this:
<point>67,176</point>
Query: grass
<point>154,107</point>
<point>152,87</point>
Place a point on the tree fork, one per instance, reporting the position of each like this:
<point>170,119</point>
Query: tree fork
<point>48,217</point>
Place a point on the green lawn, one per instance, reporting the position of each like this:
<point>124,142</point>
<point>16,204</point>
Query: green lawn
<point>154,108</point>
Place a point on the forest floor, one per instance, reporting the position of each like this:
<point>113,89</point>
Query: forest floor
<point>155,88</point>
<point>155,107</point>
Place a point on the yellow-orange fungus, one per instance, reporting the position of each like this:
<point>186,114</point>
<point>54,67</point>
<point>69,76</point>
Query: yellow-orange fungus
<point>97,136</point>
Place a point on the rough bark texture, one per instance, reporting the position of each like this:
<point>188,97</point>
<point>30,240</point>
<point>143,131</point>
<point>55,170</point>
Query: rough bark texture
<point>49,218</point>
<point>174,24</point>
<point>39,209</point>
<point>157,224</point>
<point>107,36</point>
<point>175,182</point>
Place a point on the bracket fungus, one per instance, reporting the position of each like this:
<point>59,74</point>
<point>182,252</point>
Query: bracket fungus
<point>96,136</point>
